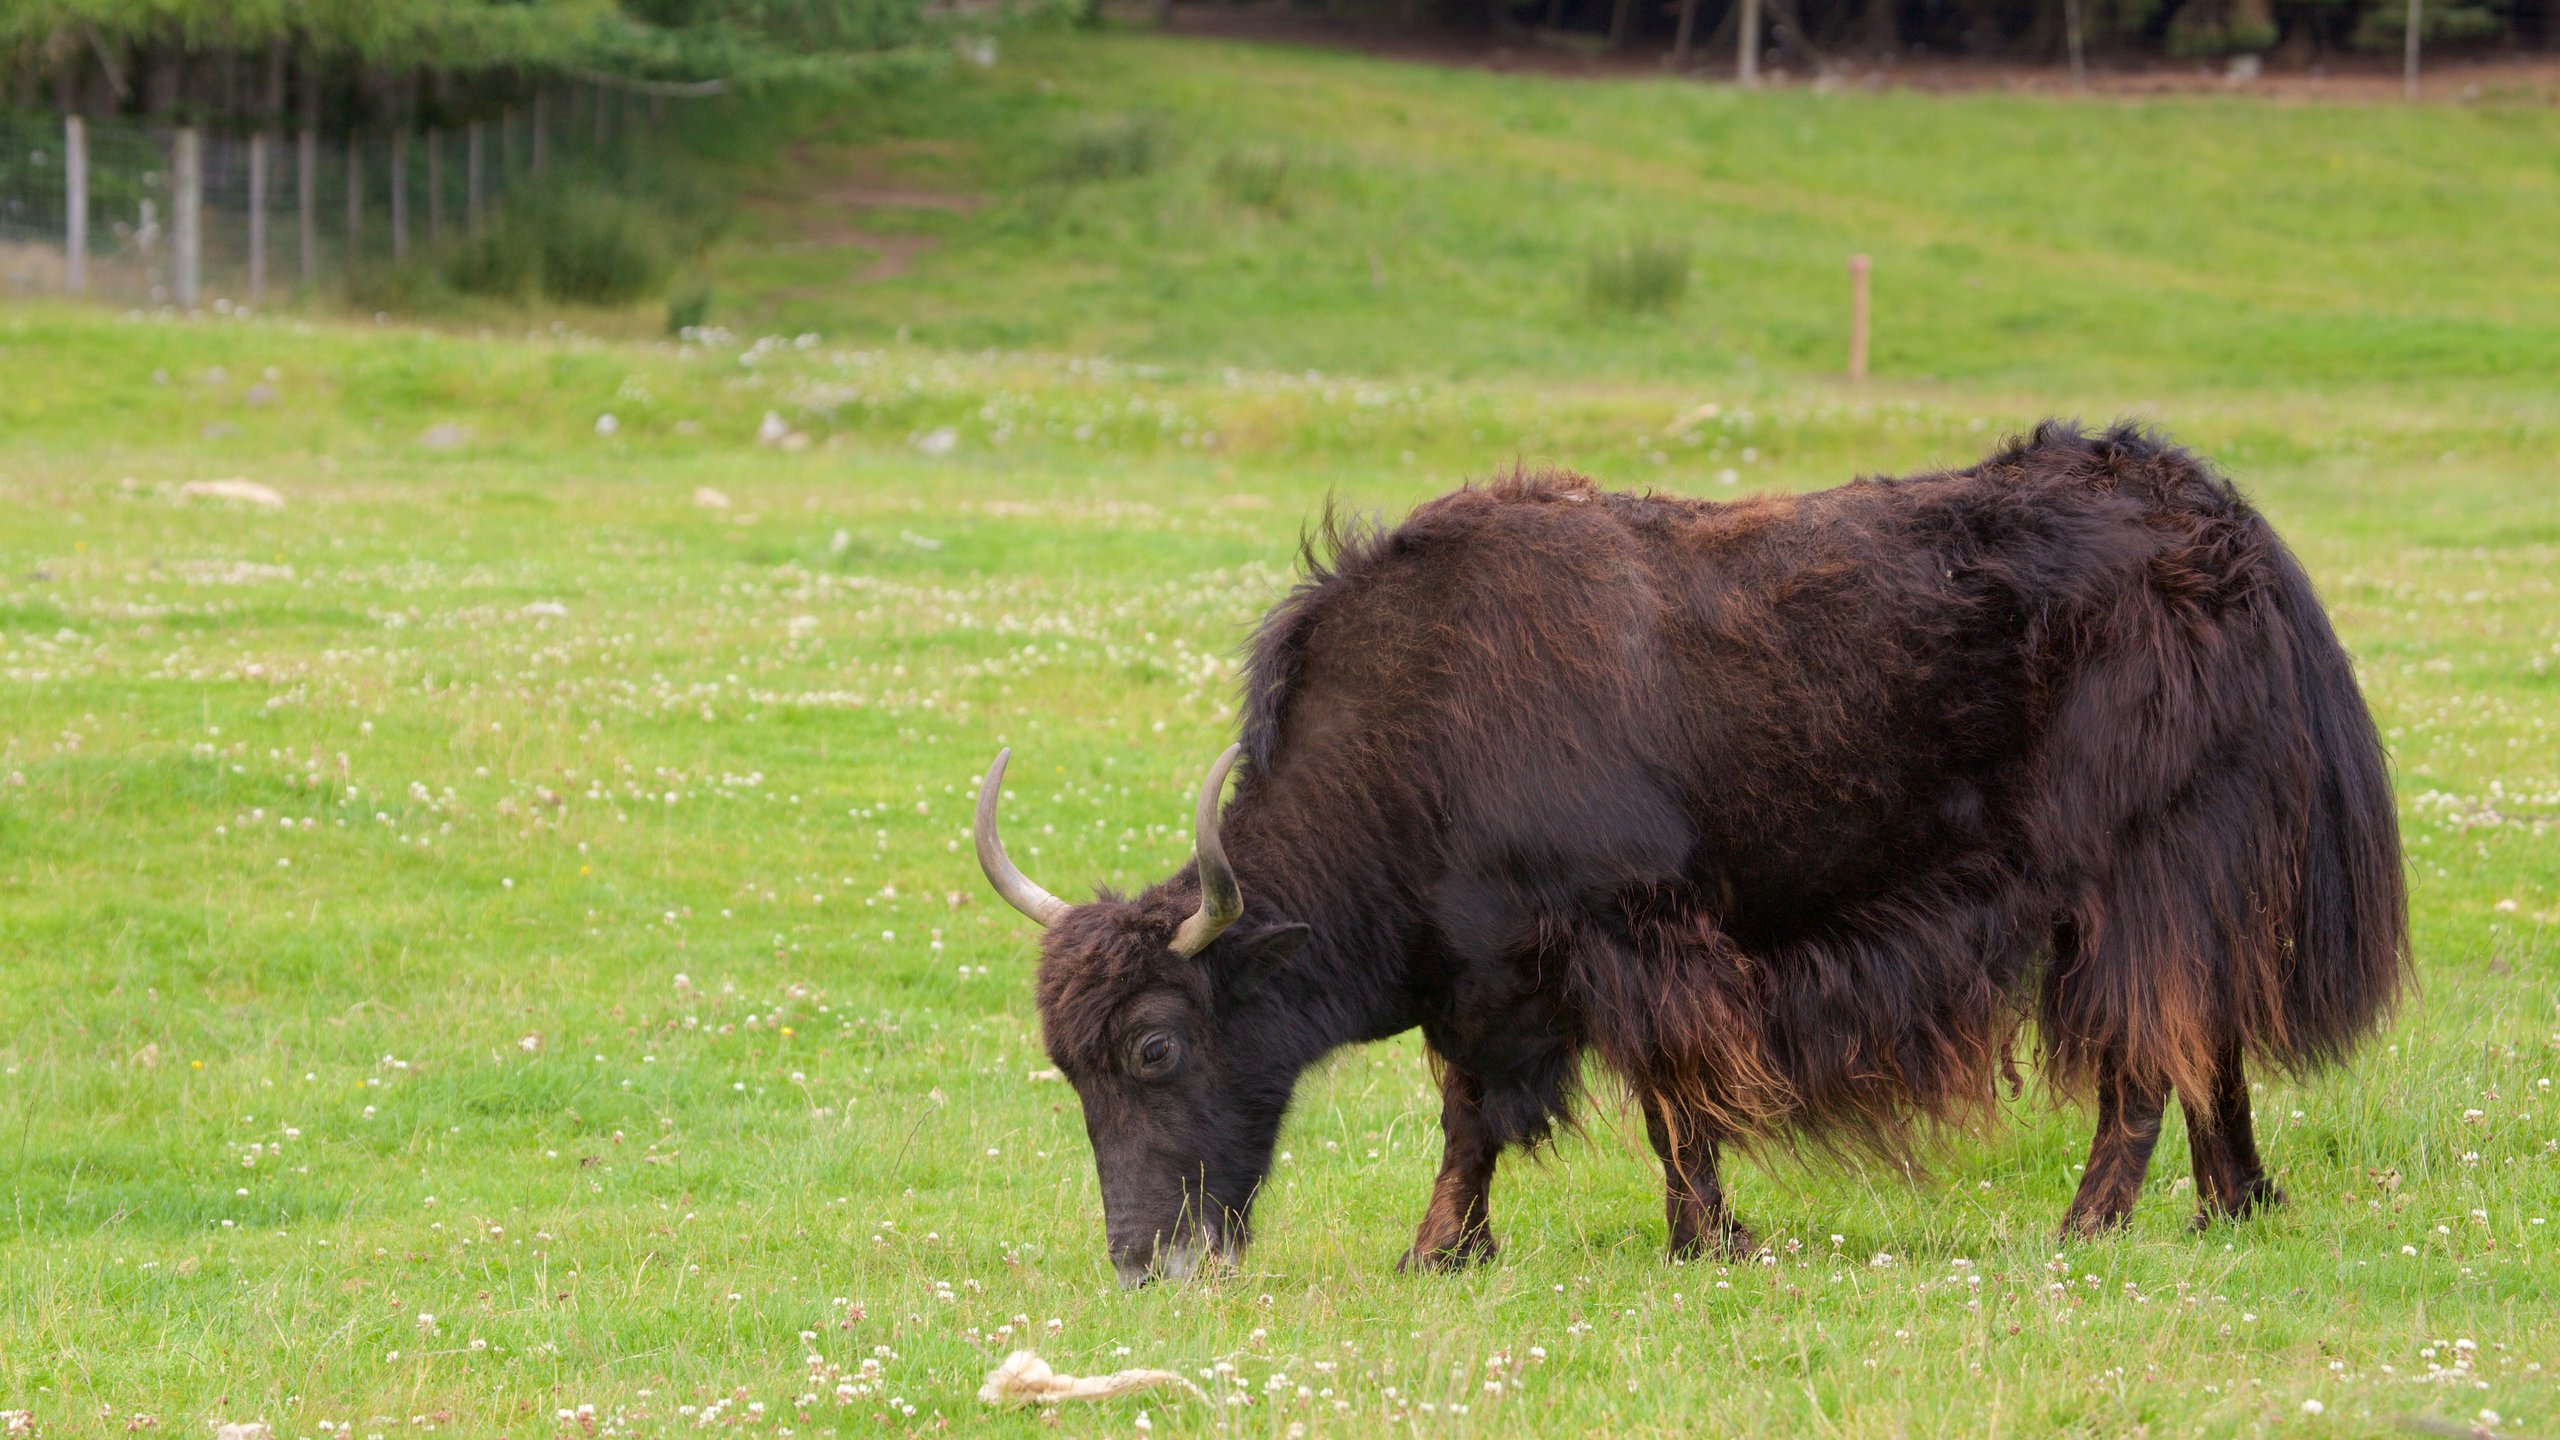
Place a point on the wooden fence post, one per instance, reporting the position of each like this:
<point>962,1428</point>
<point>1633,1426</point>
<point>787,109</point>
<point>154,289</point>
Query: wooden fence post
<point>2079,50</point>
<point>1747,45</point>
<point>75,204</point>
<point>355,198</point>
<point>2409,57</point>
<point>435,187</point>
<point>257,217</point>
<point>306,168</point>
<point>1858,267</point>
<point>471,178</point>
<point>399,194</point>
<point>306,203</point>
<point>186,204</point>
<point>541,133</point>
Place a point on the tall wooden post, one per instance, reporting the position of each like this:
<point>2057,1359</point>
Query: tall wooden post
<point>1746,50</point>
<point>355,198</point>
<point>306,203</point>
<point>186,204</point>
<point>306,178</point>
<point>2079,50</point>
<point>399,194</point>
<point>261,170</point>
<point>257,217</point>
<point>541,133</point>
<point>75,204</point>
<point>472,179</point>
<point>2409,56</point>
<point>1858,267</point>
<point>435,187</point>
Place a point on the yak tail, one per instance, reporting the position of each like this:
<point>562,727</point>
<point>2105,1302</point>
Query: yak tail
<point>2222,809</point>
<point>2349,922</point>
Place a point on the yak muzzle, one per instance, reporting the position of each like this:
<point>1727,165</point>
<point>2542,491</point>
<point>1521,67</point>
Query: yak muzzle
<point>1172,1258</point>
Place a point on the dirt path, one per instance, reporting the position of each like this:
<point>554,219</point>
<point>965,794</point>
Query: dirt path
<point>893,255</point>
<point>831,218</point>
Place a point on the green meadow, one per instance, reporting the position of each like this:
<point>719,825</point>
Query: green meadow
<point>488,939</point>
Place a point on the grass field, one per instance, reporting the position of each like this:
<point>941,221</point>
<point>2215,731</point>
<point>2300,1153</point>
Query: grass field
<point>1207,204</point>
<point>492,934</point>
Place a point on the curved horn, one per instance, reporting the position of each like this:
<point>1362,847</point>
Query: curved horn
<point>1221,903</point>
<point>1017,888</point>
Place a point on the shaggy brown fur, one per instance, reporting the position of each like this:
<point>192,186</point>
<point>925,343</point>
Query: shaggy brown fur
<point>1793,811</point>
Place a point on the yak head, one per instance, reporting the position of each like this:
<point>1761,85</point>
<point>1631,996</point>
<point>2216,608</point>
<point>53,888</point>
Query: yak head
<point>1155,1010</point>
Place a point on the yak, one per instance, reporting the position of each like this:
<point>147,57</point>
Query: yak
<point>1794,812</point>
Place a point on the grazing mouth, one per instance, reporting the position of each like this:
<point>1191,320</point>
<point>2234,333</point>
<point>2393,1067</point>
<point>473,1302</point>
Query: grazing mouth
<point>1175,1263</point>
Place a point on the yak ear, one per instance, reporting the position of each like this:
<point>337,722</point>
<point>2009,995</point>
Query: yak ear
<point>1259,954</point>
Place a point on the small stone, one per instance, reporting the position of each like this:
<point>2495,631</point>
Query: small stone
<point>247,492</point>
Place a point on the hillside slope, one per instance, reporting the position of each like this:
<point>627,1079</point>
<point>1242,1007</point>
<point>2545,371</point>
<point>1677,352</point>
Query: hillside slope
<point>1209,203</point>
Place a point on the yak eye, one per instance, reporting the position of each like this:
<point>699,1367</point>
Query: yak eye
<point>1156,1053</point>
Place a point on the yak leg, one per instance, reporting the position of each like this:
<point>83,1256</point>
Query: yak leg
<point>1692,1190</point>
<point>2119,1154</point>
<point>2231,1182</point>
<point>1457,1229</point>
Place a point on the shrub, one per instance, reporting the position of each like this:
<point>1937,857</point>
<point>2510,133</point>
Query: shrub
<point>596,249</point>
<point>2221,27</point>
<point>1112,147</point>
<point>1642,273</point>
<point>578,243</point>
<point>2386,27</point>
<point>403,287</point>
<point>497,263</point>
<point>1256,175</point>
<point>689,308</point>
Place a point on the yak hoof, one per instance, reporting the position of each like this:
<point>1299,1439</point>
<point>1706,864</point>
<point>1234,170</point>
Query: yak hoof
<point>2259,1194</point>
<point>1474,1248</point>
<point>2093,1224</point>
<point>1734,1241</point>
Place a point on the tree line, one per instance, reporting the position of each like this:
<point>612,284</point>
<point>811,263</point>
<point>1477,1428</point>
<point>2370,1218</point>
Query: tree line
<point>1818,32</point>
<point>347,65</point>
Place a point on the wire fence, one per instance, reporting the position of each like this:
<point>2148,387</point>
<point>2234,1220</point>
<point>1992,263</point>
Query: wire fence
<point>152,214</point>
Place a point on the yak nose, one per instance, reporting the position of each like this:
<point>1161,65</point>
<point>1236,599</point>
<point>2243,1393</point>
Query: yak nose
<point>1144,1263</point>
